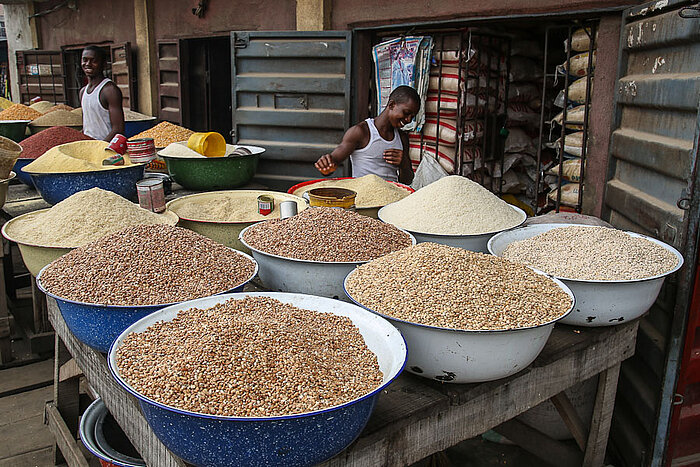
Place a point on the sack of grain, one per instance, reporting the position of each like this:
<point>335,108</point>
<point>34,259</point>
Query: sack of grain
<point>473,131</point>
<point>447,133</point>
<point>450,83</point>
<point>581,41</point>
<point>527,48</point>
<point>448,57</point>
<point>573,143</point>
<point>569,194</point>
<point>519,141</point>
<point>577,92</point>
<point>571,170</point>
<point>521,115</point>
<point>445,155</point>
<point>523,92</point>
<point>448,106</point>
<point>524,69</point>
<point>579,65</point>
<point>574,118</point>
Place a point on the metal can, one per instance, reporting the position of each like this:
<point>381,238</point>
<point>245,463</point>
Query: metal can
<point>266,204</point>
<point>151,194</point>
<point>118,144</point>
<point>288,209</point>
<point>141,150</point>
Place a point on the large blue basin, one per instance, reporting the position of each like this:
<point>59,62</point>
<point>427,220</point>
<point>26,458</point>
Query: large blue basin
<point>99,325</point>
<point>55,187</point>
<point>134,128</point>
<point>23,176</point>
<point>294,440</point>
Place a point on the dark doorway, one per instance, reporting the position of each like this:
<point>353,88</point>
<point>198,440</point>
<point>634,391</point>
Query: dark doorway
<point>208,85</point>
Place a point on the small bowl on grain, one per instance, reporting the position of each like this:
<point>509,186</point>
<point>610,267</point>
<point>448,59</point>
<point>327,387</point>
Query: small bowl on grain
<point>299,439</point>
<point>598,302</point>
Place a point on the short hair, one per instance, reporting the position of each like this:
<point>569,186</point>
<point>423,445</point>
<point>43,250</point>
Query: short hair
<point>403,94</point>
<point>99,52</point>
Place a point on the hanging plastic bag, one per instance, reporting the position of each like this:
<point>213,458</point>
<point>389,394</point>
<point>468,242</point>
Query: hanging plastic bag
<point>429,171</point>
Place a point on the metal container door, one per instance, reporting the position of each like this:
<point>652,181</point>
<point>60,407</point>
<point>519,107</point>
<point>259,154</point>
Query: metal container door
<point>291,95</point>
<point>651,189</point>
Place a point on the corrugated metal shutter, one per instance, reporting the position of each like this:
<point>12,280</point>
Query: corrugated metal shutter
<point>291,95</point>
<point>123,73</point>
<point>650,188</point>
<point>170,85</point>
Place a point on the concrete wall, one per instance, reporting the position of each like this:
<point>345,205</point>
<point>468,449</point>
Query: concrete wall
<point>174,18</point>
<point>93,21</point>
<point>356,13</point>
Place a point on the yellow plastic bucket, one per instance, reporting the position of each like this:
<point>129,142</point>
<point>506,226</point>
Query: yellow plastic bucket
<point>210,144</point>
<point>332,197</point>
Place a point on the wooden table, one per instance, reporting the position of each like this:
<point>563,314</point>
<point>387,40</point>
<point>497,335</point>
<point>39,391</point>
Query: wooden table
<point>414,417</point>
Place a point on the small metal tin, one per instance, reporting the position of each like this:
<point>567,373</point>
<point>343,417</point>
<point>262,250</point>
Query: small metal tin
<point>266,204</point>
<point>165,178</point>
<point>151,194</point>
<point>288,209</point>
<point>118,144</point>
<point>142,150</point>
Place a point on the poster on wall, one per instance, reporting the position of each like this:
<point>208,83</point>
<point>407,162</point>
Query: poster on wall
<point>403,61</point>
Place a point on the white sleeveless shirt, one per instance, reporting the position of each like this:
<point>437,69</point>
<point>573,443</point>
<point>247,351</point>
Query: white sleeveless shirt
<point>370,160</point>
<point>96,123</point>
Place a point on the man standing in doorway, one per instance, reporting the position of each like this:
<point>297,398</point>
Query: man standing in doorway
<point>101,99</point>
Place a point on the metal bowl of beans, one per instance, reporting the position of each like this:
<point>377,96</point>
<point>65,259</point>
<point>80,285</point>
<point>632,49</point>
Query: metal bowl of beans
<point>286,274</point>
<point>98,325</point>
<point>467,356</point>
<point>300,439</point>
<point>468,242</point>
<point>598,302</point>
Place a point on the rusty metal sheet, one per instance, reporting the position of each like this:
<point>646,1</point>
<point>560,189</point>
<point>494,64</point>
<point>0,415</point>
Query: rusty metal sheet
<point>651,188</point>
<point>291,95</point>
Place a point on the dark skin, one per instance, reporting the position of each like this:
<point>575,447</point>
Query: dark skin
<point>110,95</point>
<point>394,115</point>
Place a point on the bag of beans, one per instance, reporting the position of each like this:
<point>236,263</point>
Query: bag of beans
<point>581,40</point>
<point>577,92</point>
<point>569,194</point>
<point>579,65</point>
<point>574,118</point>
<point>571,170</point>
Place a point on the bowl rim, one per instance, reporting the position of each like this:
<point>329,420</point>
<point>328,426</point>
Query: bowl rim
<point>15,121</point>
<point>41,287</point>
<point>319,180</point>
<point>240,295</point>
<point>327,263</point>
<point>552,226</point>
<point>561,285</point>
<point>468,236</point>
<point>9,178</point>
<point>91,172</point>
<point>255,151</point>
<point>4,233</point>
<point>203,194</point>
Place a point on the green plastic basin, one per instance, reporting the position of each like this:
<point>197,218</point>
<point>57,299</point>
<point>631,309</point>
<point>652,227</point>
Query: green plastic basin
<point>14,129</point>
<point>213,173</point>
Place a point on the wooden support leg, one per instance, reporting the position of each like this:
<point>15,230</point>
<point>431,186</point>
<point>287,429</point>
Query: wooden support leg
<point>41,316</point>
<point>602,415</point>
<point>571,419</point>
<point>5,332</point>
<point>66,396</point>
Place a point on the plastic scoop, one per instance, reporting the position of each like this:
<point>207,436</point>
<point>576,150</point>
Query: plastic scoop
<point>210,144</point>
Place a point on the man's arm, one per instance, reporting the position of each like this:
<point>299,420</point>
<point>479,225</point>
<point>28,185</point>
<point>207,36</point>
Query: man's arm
<point>352,139</point>
<point>113,97</point>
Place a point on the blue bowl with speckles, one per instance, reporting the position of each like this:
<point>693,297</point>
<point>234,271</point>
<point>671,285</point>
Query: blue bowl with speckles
<point>23,176</point>
<point>98,325</point>
<point>293,440</point>
<point>55,187</point>
<point>135,127</point>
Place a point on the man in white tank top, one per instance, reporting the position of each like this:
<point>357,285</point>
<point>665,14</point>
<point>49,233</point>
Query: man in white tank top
<point>375,146</point>
<point>101,99</point>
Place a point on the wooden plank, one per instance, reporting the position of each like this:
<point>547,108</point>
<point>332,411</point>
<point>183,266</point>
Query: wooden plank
<point>658,153</point>
<point>66,397</point>
<point>69,370</point>
<point>312,118</point>
<point>571,419</point>
<point>27,377</point>
<point>662,91</point>
<point>5,331</point>
<point>69,446</point>
<point>602,415</point>
<point>23,406</point>
<point>551,451</point>
<point>29,459</point>
<point>29,435</point>
<point>479,410</point>
<point>312,83</point>
<point>294,47</point>
<point>123,407</point>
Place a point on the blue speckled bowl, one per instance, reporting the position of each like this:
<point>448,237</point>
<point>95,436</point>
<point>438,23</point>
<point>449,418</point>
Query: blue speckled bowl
<point>99,325</point>
<point>55,187</point>
<point>292,440</point>
<point>23,176</point>
<point>133,128</point>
